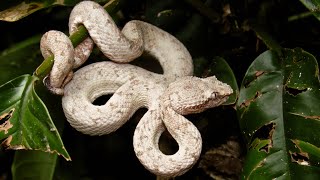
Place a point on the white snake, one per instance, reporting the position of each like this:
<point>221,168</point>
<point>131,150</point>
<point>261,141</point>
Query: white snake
<point>167,96</point>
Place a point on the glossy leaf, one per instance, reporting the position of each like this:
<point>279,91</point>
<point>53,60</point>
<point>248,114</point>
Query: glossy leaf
<point>14,10</point>
<point>22,58</point>
<point>279,113</point>
<point>33,165</point>
<point>313,6</point>
<point>25,122</point>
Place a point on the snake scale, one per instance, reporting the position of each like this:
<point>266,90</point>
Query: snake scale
<point>167,96</point>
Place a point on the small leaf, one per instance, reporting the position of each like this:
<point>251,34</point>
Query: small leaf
<point>313,6</point>
<point>25,122</point>
<point>278,110</point>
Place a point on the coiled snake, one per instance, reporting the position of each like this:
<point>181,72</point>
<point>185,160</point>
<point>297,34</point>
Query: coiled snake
<point>167,96</point>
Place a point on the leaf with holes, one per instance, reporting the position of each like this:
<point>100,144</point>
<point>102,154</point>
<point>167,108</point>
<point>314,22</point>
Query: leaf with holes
<point>279,114</point>
<point>25,122</point>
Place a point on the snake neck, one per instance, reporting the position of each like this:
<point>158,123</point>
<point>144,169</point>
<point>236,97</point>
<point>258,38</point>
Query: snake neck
<point>172,55</point>
<point>105,33</point>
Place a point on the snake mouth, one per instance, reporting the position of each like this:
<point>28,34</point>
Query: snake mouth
<point>204,105</point>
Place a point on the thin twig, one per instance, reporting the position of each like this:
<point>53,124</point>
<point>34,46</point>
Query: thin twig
<point>299,16</point>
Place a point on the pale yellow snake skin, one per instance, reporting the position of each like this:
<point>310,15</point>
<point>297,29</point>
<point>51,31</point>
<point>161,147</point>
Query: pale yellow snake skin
<point>167,96</point>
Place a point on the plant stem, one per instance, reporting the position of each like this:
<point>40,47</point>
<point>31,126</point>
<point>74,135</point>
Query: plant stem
<point>76,38</point>
<point>44,68</point>
<point>299,16</point>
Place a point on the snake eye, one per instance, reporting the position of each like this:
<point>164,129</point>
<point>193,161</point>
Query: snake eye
<point>213,95</point>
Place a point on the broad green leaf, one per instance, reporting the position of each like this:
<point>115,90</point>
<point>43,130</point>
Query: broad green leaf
<point>279,114</point>
<point>313,6</point>
<point>22,58</point>
<point>14,10</point>
<point>33,165</point>
<point>25,122</point>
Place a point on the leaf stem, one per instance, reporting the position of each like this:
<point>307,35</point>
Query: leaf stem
<point>76,38</point>
<point>299,16</point>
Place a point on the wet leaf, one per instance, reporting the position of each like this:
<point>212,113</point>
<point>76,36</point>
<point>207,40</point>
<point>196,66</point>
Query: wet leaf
<point>278,110</point>
<point>25,122</point>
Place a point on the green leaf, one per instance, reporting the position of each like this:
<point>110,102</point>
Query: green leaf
<point>25,122</point>
<point>33,165</point>
<point>279,114</point>
<point>22,58</point>
<point>15,10</point>
<point>313,6</point>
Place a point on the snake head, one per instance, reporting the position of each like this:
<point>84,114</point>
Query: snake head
<point>193,95</point>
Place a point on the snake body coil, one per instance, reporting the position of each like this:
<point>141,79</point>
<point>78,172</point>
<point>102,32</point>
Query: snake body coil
<point>167,96</point>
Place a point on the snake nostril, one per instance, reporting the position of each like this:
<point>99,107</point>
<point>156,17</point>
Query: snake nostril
<point>167,144</point>
<point>102,100</point>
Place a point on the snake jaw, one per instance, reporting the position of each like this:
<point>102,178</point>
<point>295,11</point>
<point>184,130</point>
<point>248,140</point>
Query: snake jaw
<point>57,90</point>
<point>207,104</point>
